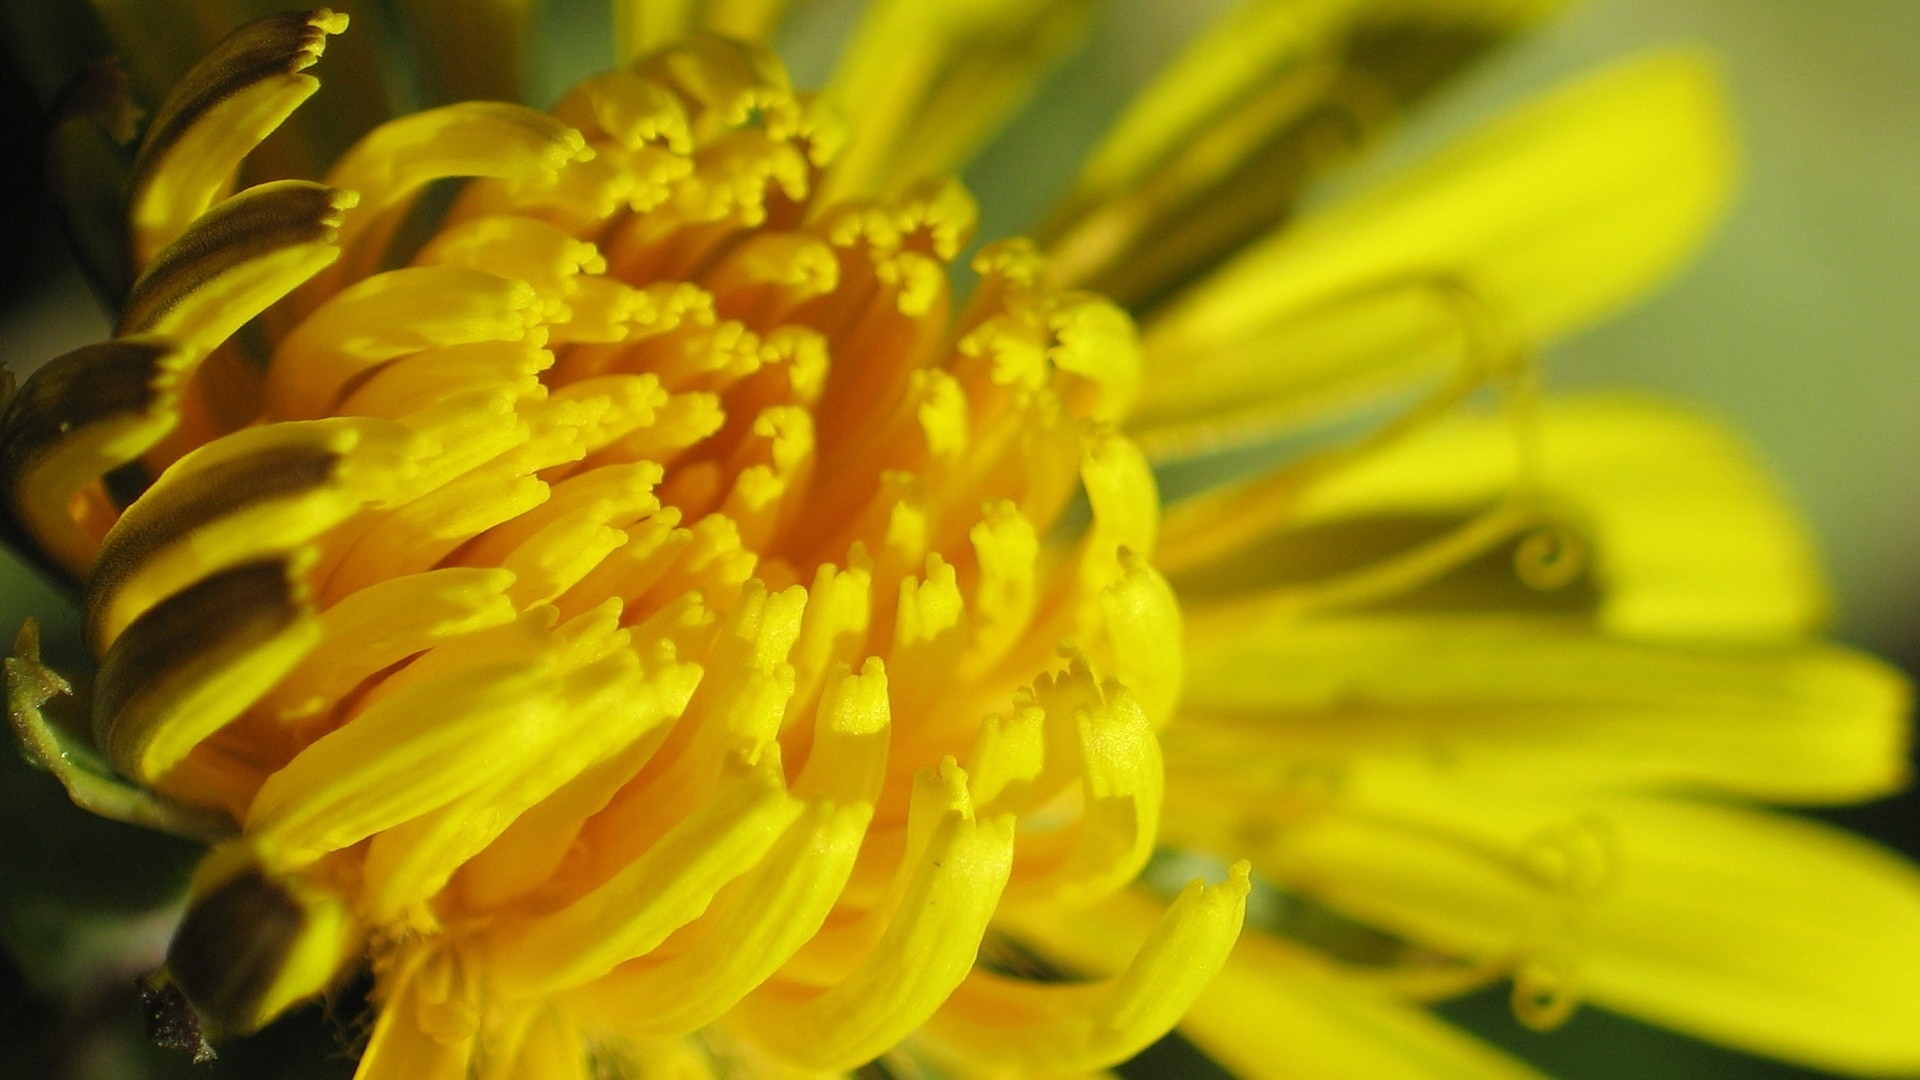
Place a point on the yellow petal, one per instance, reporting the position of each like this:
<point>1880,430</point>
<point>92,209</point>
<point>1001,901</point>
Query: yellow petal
<point>1099,740</point>
<point>723,837</point>
<point>78,418</point>
<point>735,714</point>
<point>606,706</point>
<point>451,722</point>
<point>523,248</point>
<point>642,26</point>
<point>1547,220</point>
<point>1686,536</point>
<point>383,624</point>
<point>537,843</point>
<point>951,884</point>
<point>550,1047</point>
<point>218,112</point>
<point>1143,621</point>
<point>260,491</point>
<point>1540,703</point>
<point>193,662</point>
<point>234,261</point>
<point>931,80</point>
<point>388,316</point>
<point>1270,1021</point>
<point>390,165</point>
<point>1817,962</point>
<point>753,928</point>
<point>1120,488</point>
<point>675,1057</point>
<point>1771,934</point>
<point>1220,146</point>
<point>1272,1014</point>
<point>1032,1028</point>
<point>159,45</point>
<point>426,1026</point>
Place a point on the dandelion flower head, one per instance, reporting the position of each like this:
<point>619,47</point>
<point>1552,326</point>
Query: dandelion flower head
<point>599,571</point>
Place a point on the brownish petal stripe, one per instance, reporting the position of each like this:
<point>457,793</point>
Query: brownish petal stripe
<point>1388,67</point>
<point>167,514</point>
<point>252,225</point>
<point>220,110</point>
<point>181,642</point>
<point>71,392</point>
<point>1384,67</point>
<point>285,43</point>
<point>83,404</point>
<point>230,947</point>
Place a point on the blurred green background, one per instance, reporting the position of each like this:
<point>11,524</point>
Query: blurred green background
<point>1799,324</point>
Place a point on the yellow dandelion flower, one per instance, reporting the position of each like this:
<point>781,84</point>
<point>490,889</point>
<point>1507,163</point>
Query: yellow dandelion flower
<point>596,570</point>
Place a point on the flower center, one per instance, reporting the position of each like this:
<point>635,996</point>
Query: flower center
<point>607,570</point>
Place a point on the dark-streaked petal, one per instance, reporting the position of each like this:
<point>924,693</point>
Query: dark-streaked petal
<point>224,107</point>
<point>1220,147</point>
<point>1545,220</point>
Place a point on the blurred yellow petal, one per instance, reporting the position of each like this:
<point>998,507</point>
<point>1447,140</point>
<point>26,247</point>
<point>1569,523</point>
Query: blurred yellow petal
<point>301,939</point>
<point>1683,535</point>
<point>1537,703</point>
<point>1272,1014</point>
<point>1222,144</point>
<point>1774,935</point>
<point>550,1047</point>
<point>1546,220</point>
<point>1265,1019</point>
<point>641,26</point>
<point>931,79</point>
<point>1032,1028</point>
<point>426,1027</point>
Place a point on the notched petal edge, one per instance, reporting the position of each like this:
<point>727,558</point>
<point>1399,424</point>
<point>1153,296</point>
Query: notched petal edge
<point>228,265</point>
<point>219,111</point>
